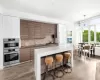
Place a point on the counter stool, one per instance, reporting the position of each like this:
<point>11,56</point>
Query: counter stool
<point>49,65</point>
<point>58,62</point>
<point>67,57</point>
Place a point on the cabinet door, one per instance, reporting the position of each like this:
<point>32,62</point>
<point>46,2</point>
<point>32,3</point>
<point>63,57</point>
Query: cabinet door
<point>32,54</point>
<point>16,27</point>
<point>52,29</point>
<point>11,27</point>
<point>7,27</point>
<point>24,54</point>
<point>1,42</point>
<point>48,29</point>
<point>43,30</point>
<point>31,29</point>
<point>37,31</point>
<point>1,27</point>
<point>24,29</point>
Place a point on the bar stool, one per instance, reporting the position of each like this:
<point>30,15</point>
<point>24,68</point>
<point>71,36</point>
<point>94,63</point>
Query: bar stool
<point>59,60</point>
<point>67,57</point>
<point>49,63</point>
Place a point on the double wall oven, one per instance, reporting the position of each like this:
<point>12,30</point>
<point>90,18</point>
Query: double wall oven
<point>11,51</point>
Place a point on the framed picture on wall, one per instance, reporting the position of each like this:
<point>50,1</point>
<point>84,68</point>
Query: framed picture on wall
<point>69,36</point>
<point>69,40</point>
<point>69,33</point>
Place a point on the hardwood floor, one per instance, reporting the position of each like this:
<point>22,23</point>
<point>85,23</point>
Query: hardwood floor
<point>22,71</point>
<point>81,71</point>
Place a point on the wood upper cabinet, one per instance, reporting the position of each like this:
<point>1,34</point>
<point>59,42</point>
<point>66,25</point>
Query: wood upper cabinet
<point>24,30</point>
<point>31,29</point>
<point>48,29</point>
<point>52,29</point>
<point>37,30</point>
<point>43,30</point>
<point>25,54</point>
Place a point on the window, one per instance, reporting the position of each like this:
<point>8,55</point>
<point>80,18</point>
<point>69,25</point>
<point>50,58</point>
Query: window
<point>85,34</point>
<point>98,33</point>
<point>92,34</point>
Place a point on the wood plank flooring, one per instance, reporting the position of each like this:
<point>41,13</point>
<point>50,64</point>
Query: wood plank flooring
<point>81,71</point>
<point>22,71</point>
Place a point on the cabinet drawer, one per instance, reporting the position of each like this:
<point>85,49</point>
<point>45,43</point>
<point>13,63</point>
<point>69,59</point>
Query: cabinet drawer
<point>24,54</point>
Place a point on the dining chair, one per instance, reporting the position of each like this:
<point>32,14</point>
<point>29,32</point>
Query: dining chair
<point>86,51</point>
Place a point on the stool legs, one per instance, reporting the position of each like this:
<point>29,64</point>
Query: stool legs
<point>49,62</point>
<point>59,66</point>
<point>48,74</point>
<point>59,70</point>
<point>68,68</point>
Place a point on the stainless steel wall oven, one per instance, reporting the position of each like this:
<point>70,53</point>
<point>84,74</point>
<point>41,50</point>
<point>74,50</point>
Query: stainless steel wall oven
<point>11,51</point>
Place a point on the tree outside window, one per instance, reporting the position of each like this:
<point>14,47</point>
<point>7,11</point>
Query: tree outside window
<point>98,33</point>
<point>85,35</point>
<point>92,34</point>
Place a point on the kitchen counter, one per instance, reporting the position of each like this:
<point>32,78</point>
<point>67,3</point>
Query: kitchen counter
<point>40,46</point>
<point>41,52</point>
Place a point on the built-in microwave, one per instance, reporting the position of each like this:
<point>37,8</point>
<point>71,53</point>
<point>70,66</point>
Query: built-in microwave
<point>7,45</point>
<point>11,43</point>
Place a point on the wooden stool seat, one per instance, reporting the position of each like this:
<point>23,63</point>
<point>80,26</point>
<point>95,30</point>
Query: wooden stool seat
<point>59,58</point>
<point>67,55</point>
<point>49,60</point>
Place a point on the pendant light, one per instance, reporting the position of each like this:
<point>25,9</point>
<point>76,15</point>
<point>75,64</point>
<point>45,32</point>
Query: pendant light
<point>84,20</point>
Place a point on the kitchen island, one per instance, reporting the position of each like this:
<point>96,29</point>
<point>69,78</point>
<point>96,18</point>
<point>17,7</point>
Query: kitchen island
<point>41,52</point>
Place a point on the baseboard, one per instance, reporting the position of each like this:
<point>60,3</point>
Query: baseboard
<point>1,68</point>
<point>25,61</point>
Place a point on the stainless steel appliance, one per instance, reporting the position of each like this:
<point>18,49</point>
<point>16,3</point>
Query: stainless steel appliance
<point>11,51</point>
<point>11,43</point>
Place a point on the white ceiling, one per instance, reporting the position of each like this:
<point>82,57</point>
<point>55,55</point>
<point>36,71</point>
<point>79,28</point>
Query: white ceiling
<point>71,10</point>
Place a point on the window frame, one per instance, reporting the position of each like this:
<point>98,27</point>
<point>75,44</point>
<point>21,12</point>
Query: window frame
<point>89,34</point>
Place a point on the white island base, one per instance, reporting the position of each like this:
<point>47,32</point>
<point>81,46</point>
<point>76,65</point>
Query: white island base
<point>41,52</point>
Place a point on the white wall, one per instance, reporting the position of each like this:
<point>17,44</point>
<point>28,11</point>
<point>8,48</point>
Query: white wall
<point>61,34</point>
<point>77,34</point>
<point>70,27</point>
<point>1,43</point>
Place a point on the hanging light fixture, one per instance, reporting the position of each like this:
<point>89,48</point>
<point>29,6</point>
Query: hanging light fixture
<point>84,20</point>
